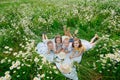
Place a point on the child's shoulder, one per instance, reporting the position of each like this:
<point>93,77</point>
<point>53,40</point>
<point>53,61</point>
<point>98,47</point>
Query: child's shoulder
<point>83,48</point>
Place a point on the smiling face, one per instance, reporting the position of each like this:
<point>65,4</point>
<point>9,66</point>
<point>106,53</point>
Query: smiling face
<point>58,40</point>
<point>76,44</point>
<point>50,45</point>
<point>66,42</point>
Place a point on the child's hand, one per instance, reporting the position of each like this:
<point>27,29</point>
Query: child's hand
<point>71,57</point>
<point>62,50</point>
<point>66,51</point>
<point>56,52</point>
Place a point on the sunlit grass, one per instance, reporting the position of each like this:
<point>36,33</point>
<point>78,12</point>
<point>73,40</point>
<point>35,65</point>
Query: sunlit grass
<point>23,20</point>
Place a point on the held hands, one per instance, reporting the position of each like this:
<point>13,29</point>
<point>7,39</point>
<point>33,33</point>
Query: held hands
<point>56,52</point>
<point>71,57</point>
<point>66,51</point>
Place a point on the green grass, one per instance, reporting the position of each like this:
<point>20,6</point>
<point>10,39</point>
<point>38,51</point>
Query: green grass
<point>29,18</point>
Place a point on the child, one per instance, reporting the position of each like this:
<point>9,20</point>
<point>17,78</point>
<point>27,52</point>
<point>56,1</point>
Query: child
<point>50,46</point>
<point>50,53</point>
<point>66,46</point>
<point>78,49</point>
<point>58,43</point>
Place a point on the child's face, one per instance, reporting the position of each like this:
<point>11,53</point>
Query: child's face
<point>66,43</point>
<point>76,44</point>
<point>58,40</point>
<point>50,46</point>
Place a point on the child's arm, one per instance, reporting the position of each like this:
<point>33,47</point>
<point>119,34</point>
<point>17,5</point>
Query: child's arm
<point>63,50</point>
<point>80,52</point>
<point>72,55</point>
<point>58,51</point>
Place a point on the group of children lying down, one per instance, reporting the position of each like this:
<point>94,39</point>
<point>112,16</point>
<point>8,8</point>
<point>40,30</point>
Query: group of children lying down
<point>67,43</point>
<point>64,50</point>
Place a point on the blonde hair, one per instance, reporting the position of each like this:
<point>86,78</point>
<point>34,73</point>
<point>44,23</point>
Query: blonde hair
<point>66,39</point>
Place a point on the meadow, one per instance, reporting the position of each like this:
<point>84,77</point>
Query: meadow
<point>23,21</point>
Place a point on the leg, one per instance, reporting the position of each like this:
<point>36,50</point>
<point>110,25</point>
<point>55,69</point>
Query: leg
<point>93,44</point>
<point>43,37</point>
<point>68,32</point>
<point>46,37</point>
<point>65,30</point>
<point>75,33</point>
<point>94,39</point>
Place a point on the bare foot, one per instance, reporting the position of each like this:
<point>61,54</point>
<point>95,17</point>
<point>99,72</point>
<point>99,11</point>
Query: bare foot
<point>64,28</point>
<point>96,36</point>
<point>76,31</point>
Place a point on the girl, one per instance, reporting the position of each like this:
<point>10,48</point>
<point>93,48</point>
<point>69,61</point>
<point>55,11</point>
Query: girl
<point>80,46</point>
<point>78,49</point>
<point>58,43</point>
<point>66,46</point>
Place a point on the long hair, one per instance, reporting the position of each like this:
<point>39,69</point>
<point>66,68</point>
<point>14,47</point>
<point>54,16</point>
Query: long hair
<point>58,36</point>
<point>76,39</point>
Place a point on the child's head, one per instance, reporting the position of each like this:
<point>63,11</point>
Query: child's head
<point>58,39</point>
<point>77,43</point>
<point>66,42</point>
<point>50,44</point>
